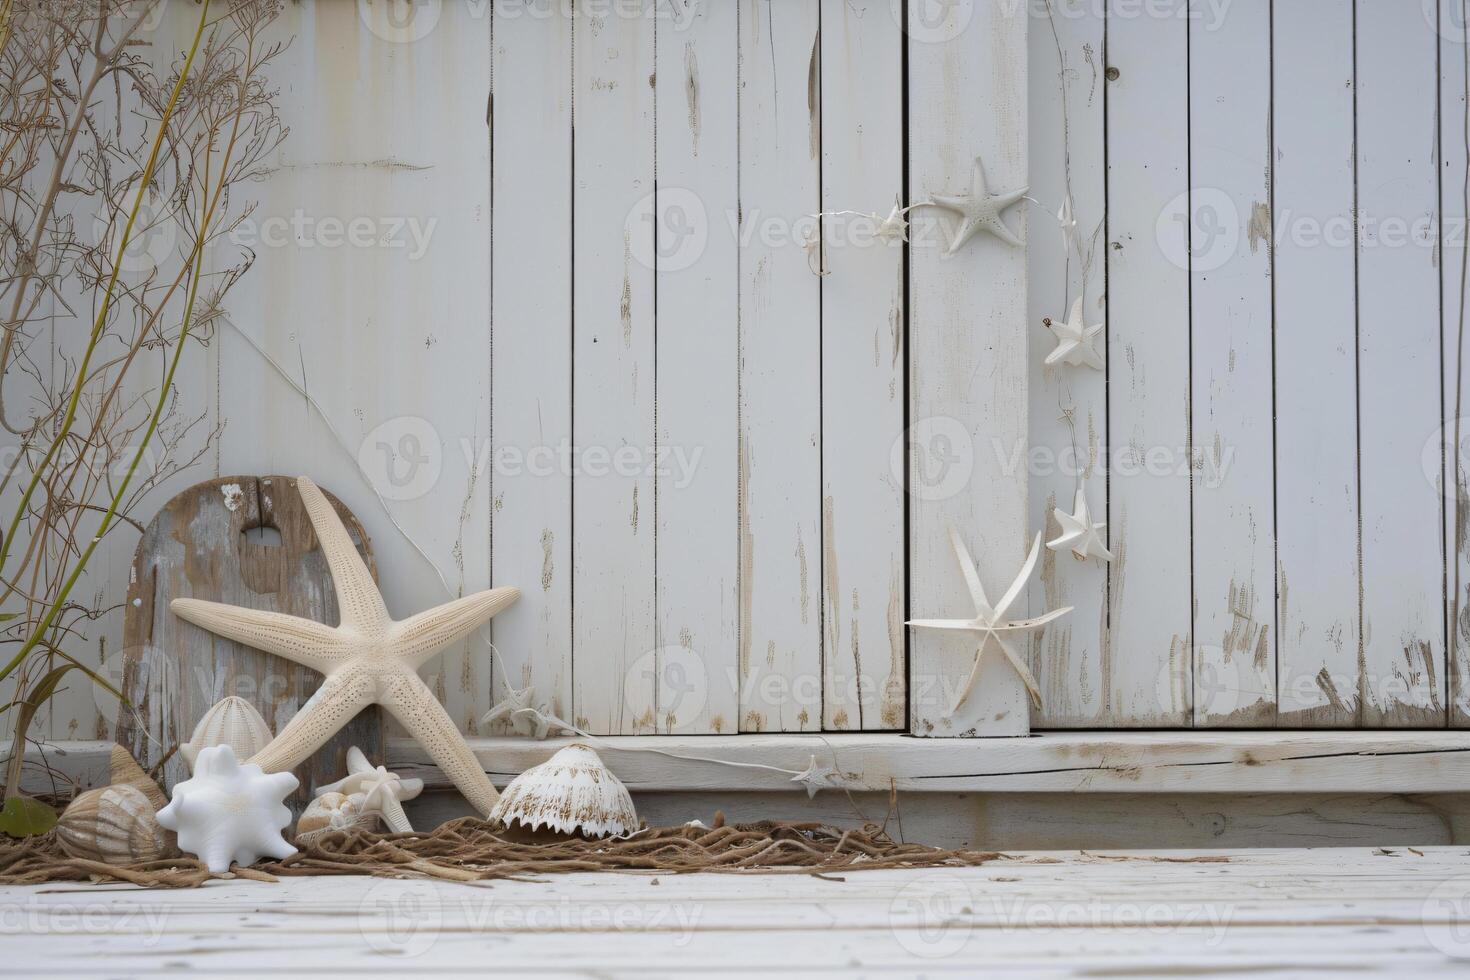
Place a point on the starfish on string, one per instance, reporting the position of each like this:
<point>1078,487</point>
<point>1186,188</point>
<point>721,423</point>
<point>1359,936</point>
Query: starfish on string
<point>815,777</point>
<point>980,210</point>
<point>990,621</point>
<point>369,659</point>
<point>1074,339</point>
<point>525,716</point>
<point>1080,533</point>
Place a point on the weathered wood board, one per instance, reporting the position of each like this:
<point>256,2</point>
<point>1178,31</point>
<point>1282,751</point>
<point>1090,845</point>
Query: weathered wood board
<point>246,541</point>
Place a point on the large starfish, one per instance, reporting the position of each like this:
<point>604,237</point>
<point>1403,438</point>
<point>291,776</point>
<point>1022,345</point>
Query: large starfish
<point>979,210</point>
<point>990,621</point>
<point>369,659</point>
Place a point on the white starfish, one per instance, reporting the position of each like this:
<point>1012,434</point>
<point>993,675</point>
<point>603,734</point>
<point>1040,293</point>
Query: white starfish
<point>990,621</point>
<point>526,718</point>
<point>369,659</point>
<point>385,791</point>
<point>1074,340</point>
<point>979,210</point>
<point>815,777</point>
<point>894,228</point>
<point>1080,533</point>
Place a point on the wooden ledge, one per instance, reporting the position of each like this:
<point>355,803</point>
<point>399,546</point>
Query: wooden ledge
<point>1062,762</point>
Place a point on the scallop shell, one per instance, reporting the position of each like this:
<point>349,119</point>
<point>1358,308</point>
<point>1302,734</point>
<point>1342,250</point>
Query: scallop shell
<point>114,825</point>
<point>233,722</point>
<point>335,811</point>
<point>571,793</point>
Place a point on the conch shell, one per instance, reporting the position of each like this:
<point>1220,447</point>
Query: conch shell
<point>570,793</point>
<point>229,812</point>
<point>114,825</point>
<point>335,811</point>
<point>233,722</point>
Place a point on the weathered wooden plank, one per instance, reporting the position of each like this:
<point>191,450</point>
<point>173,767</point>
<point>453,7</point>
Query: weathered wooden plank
<point>531,287</point>
<point>1085,762</point>
<point>1068,405</point>
<point>1316,362</point>
<point>1234,542</point>
<point>1399,376</point>
<point>863,601</point>
<point>612,371</point>
<point>1454,259</point>
<point>368,292</point>
<point>780,365</point>
<point>698,402</point>
<point>967,380</point>
<point>1133,913</point>
<point>207,543</point>
<point>1148,675</point>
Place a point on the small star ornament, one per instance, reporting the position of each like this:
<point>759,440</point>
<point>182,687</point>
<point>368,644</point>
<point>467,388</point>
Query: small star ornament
<point>894,228</point>
<point>1074,340</point>
<point>384,790</point>
<point>1080,533</point>
<point>980,210</point>
<point>815,777</point>
<point>526,717</point>
<point>990,621</point>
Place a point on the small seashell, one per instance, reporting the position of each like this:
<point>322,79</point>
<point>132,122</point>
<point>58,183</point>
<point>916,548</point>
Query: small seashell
<point>335,811</point>
<point>571,793</point>
<point>233,722</point>
<point>126,772</point>
<point>114,825</point>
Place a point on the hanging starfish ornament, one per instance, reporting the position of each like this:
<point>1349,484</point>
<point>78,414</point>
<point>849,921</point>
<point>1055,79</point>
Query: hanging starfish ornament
<point>1080,533</point>
<point>895,227</point>
<point>815,777</point>
<point>369,659</point>
<point>979,210</point>
<point>990,621</point>
<point>1074,340</point>
<point>385,791</point>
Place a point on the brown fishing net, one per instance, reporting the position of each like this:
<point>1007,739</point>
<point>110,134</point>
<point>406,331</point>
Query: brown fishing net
<point>469,849</point>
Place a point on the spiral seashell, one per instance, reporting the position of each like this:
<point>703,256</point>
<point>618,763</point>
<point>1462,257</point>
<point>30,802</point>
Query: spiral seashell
<point>114,825</point>
<point>126,772</point>
<point>233,722</point>
<point>571,793</point>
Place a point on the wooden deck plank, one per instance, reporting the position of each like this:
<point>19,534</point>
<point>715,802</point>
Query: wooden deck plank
<point>1064,914</point>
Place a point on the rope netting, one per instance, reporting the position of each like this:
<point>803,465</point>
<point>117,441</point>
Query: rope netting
<point>469,849</point>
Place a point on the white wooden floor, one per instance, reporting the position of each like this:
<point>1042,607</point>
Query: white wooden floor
<point>1395,912</point>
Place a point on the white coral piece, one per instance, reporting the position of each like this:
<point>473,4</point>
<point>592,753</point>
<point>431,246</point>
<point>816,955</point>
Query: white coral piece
<point>230,812</point>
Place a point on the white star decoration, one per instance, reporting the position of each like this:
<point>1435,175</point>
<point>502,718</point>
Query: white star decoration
<point>894,228</point>
<point>990,621</point>
<point>1080,533</point>
<point>979,210</point>
<point>1074,340</point>
<point>369,659</point>
<point>384,790</point>
<point>526,718</point>
<point>815,777</point>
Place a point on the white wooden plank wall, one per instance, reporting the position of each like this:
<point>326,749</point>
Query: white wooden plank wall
<point>1148,676</point>
<point>1269,203</point>
<point>1068,405</point>
<point>697,572</point>
<point>968,373</point>
<point>780,365</point>
<point>1402,669</point>
<point>863,529</point>
<point>1454,168</point>
<point>1317,582</point>
<point>613,374</point>
<point>1230,366</point>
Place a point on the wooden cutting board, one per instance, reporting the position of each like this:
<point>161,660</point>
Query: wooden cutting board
<point>246,541</point>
